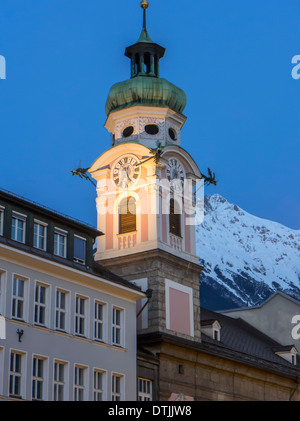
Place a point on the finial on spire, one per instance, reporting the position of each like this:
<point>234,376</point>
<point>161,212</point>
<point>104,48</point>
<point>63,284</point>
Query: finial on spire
<point>144,6</point>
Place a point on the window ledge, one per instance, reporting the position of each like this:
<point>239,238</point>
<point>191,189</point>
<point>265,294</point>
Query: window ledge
<point>176,235</point>
<point>41,327</point>
<point>119,348</point>
<point>15,397</point>
<point>126,233</point>
<point>79,261</point>
<point>97,342</point>
<point>17,241</point>
<point>39,248</point>
<point>17,321</point>
<point>62,333</point>
<point>82,338</point>
<point>58,255</point>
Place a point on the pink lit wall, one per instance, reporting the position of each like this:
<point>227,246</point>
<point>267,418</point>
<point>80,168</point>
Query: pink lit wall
<point>179,308</point>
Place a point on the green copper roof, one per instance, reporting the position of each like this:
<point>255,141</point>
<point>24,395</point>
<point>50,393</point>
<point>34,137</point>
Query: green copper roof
<point>145,37</point>
<point>141,90</point>
<point>145,86</point>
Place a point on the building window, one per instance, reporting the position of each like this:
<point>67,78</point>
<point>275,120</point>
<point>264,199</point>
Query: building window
<point>15,374</point>
<point>1,220</point>
<point>117,326</point>
<point>40,235</point>
<point>175,218</point>
<point>117,387</point>
<point>18,227</point>
<point>152,129</point>
<point>2,296</point>
<point>216,334</point>
<point>98,385</point>
<point>127,215</point>
<point>59,381</point>
<point>61,310</point>
<point>144,390</point>
<point>40,304</point>
<point>79,383</point>
<point>80,315</point>
<point>128,131</point>
<point>79,249</point>
<point>172,134</point>
<point>60,243</point>
<point>37,378</point>
<point>99,321</point>
<point>18,298</point>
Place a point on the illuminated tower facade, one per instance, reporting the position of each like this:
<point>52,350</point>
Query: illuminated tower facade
<point>143,207</point>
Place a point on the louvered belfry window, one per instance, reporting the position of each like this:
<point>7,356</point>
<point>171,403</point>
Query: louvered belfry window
<point>127,215</point>
<point>174,219</point>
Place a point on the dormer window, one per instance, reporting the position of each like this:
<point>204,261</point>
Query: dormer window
<point>18,227</point>
<point>39,235</point>
<point>1,219</point>
<point>288,353</point>
<point>79,249</point>
<point>216,334</point>
<point>212,329</point>
<point>60,242</point>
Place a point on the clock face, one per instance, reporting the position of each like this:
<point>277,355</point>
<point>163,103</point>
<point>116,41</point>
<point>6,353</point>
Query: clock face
<point>175,174</point>
<point>125,172</point>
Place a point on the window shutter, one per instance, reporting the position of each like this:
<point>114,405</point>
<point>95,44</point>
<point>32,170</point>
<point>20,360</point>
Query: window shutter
<point>127,215</point>
<point>174,219</point>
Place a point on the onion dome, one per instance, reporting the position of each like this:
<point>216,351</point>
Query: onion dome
<point>145,87</point>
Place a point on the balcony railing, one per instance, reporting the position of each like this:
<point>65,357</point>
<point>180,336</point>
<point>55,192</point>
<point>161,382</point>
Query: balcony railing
<point>176,242</point>
<point>126,241</point>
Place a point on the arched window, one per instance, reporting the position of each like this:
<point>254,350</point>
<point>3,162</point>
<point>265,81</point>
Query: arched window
<point>175,218</point>
<point>127,215</point>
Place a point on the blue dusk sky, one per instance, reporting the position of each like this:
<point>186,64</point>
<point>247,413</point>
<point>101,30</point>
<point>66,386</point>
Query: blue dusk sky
<point>233,59</point>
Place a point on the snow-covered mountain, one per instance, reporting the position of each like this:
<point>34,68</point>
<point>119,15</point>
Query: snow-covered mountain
<point>245,258</point>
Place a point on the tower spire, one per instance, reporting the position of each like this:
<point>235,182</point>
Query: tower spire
<point>144,37</point>
<point>144,6</point>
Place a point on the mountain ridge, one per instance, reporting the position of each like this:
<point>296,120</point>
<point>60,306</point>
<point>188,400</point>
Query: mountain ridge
<point>246,258</point>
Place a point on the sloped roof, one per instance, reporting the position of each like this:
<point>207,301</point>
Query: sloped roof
<point>240,337</point>
<point>32,206</point>
<point>97,270</point>
<point>209,322</point>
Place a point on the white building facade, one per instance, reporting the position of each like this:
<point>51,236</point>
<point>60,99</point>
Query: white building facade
<point>68,331</point>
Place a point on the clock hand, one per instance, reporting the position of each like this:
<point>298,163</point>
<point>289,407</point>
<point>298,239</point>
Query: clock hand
<point>142,162</point>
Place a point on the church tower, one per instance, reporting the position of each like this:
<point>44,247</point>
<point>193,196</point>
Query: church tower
<point>145,186</point>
